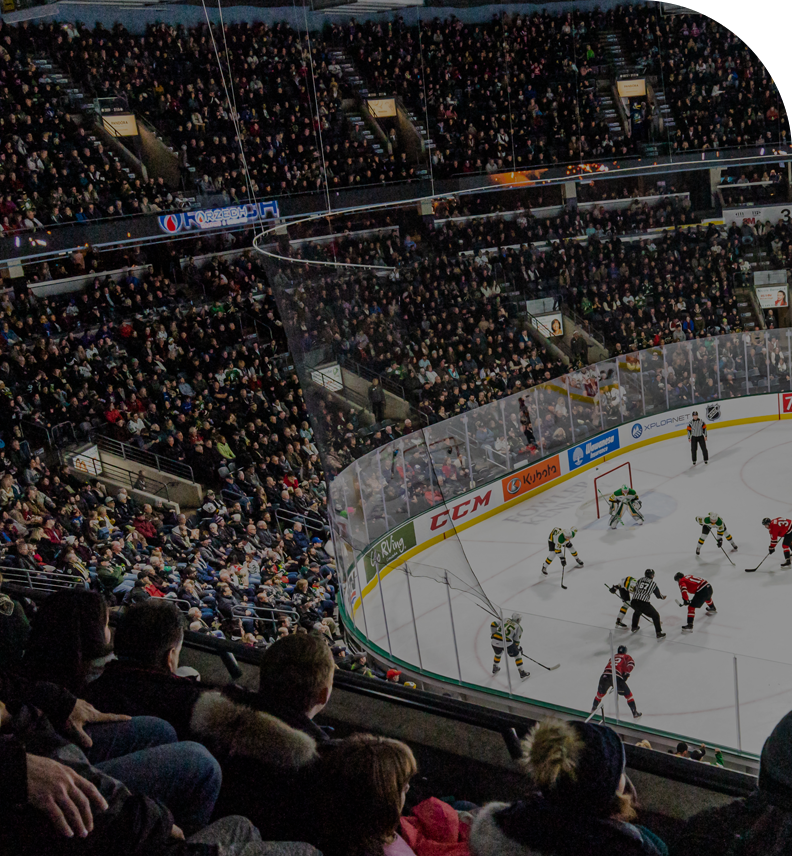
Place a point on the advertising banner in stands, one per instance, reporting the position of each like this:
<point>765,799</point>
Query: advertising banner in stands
<point>217,218</point>
<point>550,326</point>
<point>773,296</point>
<point>757,214</point>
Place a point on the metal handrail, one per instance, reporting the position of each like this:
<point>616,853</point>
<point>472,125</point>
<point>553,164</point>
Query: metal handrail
<point>42,580</point>
<point>258,609</point>
<point>306,519</point>
<point>120,474</point>
<point>142,456</point>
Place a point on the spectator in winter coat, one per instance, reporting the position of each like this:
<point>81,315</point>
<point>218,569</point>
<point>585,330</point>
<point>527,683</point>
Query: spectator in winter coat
<point>759,825</point>
<point>581,802</point>
<point>300,538</point>
<point>295,683</point>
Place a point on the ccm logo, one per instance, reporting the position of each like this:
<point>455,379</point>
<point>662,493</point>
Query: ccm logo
<point>460,510</point>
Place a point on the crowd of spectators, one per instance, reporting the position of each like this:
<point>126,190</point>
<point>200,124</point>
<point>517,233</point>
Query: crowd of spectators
<point>52,168</point>
<point>517,91</point>
<point>109,744</point>
<point>718,90</point>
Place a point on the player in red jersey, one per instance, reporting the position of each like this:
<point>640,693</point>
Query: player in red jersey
<point>780,530</point>
<point>624,666</point>
<point>695,592</point>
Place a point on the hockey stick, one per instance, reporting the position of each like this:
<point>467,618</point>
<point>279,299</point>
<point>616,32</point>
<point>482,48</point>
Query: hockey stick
<point>727,555</point>
<point>645,617</point>
<point>599,706</point>
<point>752,570</point>
<point>563,571</point>
<point>549,668</point>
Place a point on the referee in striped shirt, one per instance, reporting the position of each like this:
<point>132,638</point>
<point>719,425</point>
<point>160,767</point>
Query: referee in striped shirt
<point>644,589</point>
<point>697,436</point>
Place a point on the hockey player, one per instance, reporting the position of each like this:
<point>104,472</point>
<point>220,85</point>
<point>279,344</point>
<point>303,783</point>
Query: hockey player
<point>624,589</point>
<point>513,629</point>
<point>624,496</point>
<point>644,589</point>
<point>624,665</point>
<point>712,521</point>
<point>558,540</point>
<point>780,530</point>
<point>697,436</point>
<point>695,591</point>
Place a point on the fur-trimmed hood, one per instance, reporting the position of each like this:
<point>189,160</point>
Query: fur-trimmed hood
<point>234,730</point>
<point>534,828</point>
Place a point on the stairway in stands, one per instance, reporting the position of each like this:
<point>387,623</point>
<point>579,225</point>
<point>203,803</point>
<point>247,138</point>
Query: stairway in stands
<point>354,80</point>
<point>79,103</point>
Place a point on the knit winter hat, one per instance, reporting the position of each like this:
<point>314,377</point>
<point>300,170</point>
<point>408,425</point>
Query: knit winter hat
<point>775,768</point>
<point>576,765</point>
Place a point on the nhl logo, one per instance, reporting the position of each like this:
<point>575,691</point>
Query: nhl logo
<point>713,412</point>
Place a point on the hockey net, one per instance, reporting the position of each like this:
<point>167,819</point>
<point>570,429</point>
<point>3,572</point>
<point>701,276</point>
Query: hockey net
<point>608,481</point>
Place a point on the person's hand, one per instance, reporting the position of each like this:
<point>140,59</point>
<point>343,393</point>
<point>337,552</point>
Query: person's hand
<point>83,714</point>
<point>771,550</point>
<point>65,797</point>
<point>176,832</point>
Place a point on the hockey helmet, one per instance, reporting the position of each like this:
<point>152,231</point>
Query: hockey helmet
<point>516,617</point>
<point>766,521</point>
<point>573,531</point>
<point>695,412</point>
<point>649,573</point>
<point>625,488</point>
<point>678,576</point>
<point>712,516</point>
<point>622,649</point>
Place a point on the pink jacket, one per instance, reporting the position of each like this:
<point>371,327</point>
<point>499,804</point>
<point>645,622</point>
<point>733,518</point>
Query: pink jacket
<point>434,829</point>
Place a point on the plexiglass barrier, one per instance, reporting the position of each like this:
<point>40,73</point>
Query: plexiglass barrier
<point>373,500</point>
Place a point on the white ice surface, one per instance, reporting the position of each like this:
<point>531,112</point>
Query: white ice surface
<point>683,684</point>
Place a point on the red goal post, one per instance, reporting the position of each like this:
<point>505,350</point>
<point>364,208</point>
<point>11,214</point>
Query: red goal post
<point>612,482</point>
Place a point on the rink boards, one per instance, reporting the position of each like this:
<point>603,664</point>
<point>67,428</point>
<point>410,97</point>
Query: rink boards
<point>500,531</point>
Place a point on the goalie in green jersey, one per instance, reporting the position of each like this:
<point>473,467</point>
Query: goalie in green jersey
<point>624,497</point>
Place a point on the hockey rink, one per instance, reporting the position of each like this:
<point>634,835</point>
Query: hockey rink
<point>683,684</point>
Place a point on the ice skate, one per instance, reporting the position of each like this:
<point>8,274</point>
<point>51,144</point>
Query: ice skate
<point>544,570</point>
<point>786,564</point>
<point>661,635</point>
<point>687,627</point>
<point>694,463</point>
<point>711,610</point>
<point>524,675</point>
<point>495,670</point>
<point>734,548</point>
<point>698,551</point>
<point>634,629</point>
<point>637,714</point>
<point>620,623</point>
<point>705,463</point>
<point>579,561</point>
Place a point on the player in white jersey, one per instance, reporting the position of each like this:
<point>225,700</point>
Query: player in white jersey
<point>512,628</point>
<point>624,589</point>
<point>556,542</point>
<point>624,497</point>
<point>710,522</point>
